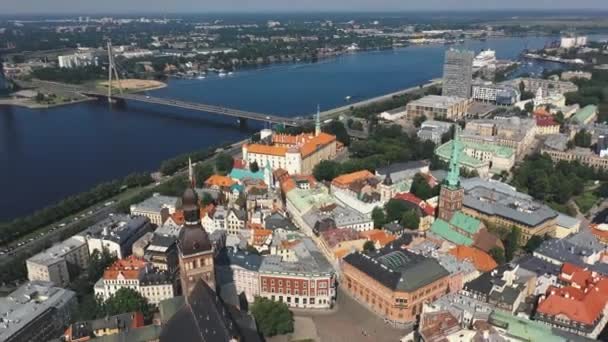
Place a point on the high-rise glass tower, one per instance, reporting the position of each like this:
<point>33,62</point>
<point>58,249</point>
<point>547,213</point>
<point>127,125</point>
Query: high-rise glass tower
<point>458,73</point>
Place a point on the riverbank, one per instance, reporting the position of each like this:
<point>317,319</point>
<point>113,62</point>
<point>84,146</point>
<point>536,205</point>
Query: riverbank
<point>32,104</point>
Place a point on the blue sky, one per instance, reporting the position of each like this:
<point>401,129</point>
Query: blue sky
<point>190,6</point>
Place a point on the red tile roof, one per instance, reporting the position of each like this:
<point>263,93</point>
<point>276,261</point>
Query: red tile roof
<point>219,181</point>
<point>129,267</point>
<point>483,261</point>
<point>426,208</point>
<point>343,181</point>
<point>544,121</point>
<point>334,237</point>
<point>582,301</point>
<point>379,236</point>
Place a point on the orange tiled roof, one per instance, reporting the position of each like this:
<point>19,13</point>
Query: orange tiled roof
<point>260,235</point>
<point>379,236</point>
<point>209,209</point>
<point>483,261</point>
<point>541,111</point>
<point>221,181</point>
<point>601,234</point>
<point>178,217</point>
<point>266,149</point>
<point>567,301</point>
<point>316,142</point>
<point>343,181</point>
<point>129,267</point>
<point>583,301</point>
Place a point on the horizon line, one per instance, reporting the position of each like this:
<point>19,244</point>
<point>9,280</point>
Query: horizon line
<point>329,11</point>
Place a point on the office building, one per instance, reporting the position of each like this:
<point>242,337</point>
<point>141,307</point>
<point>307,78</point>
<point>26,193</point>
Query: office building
<point>434,130</point>
<point>117,234</point>
<point>500,204</point>
<point>500,95</point>
<point>512,132</point>
<point>36,311</point>
<point>548,87</point>
<point>435,106</point>
<point>303,279</point>
<point>238,271</point>
<point>458,73</point>
<point>152,207</point>
<point>54,263</point>
<point>77,60</point>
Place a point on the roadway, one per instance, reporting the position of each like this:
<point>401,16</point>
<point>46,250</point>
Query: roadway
<point>240,114</point>
<point>94,214</point>
<point>332,113</point>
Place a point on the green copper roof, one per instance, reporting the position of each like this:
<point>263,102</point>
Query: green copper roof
<point>524,329</point>
<point>585,113</point>
<point>443,229</point>
<point>465,222</point>
<point>453,178</point>
<point>241,174</point>
<point>445,151</point>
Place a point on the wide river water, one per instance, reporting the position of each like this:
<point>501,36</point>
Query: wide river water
<point>46,155</point>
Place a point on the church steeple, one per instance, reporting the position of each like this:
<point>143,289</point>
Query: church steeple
<point>453,178</point>
<point>451,195</point>
<point>318,121</point>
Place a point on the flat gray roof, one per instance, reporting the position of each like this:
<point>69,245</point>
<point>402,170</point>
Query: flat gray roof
<point>28,302</point>
<point>310,261</point>
<point>500,199</point>
<point>57,251</point>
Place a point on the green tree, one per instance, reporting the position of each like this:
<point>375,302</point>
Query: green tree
<point>582,138</point>
<point>337,128</point>
<point>395,209</point>
<point>369,246</point>
<point>410,219</point>
<point>224,163</point>
<point>419,120</point>
<point>326,170</point>
<point>127,300</point>
<point>498,254</point>
<point>202,171</point>
<point>273,318</point>
<point>378,217</point>
<point>534,242</point>
<point>421,188</point>
<point>206,199</point>
<point>254,167</point>
<point>529,107</point>
<point>512,243</point>
<point>98,262</point>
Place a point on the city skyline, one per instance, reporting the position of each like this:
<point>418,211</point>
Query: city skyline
<point>182,6</point>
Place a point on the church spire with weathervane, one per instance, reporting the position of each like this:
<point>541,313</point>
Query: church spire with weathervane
<point>453,178</point>
<point>318,121</point>
<point>451,194</point>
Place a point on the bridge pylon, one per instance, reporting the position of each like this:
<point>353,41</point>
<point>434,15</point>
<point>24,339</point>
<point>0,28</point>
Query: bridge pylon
<point>112,73</point>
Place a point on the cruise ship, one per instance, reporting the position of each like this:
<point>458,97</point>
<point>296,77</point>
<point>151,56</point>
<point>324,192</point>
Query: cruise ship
<point>484,59</point>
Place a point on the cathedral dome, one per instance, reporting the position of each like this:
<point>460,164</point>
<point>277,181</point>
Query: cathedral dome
<point>193,240</point>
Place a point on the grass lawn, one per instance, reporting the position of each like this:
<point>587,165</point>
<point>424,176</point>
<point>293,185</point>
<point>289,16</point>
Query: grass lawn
<point>586,201</point>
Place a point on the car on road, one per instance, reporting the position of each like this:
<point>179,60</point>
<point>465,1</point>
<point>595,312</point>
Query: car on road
<point>62,225</point>
<point>107,204</point>
<point>90,212</point>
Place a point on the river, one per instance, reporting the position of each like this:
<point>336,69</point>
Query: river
<point>46,155</point>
